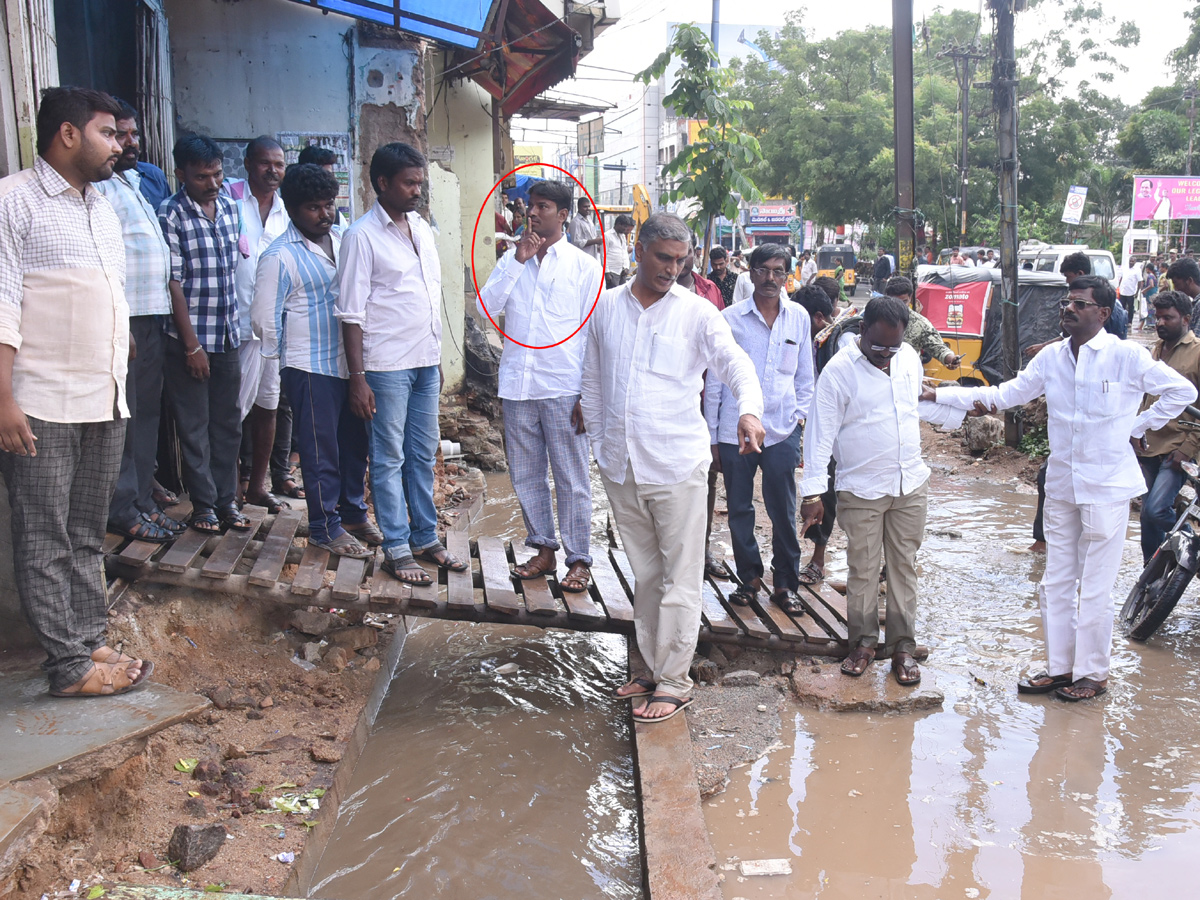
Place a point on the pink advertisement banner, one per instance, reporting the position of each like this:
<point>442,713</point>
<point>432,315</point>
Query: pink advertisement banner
<point>1164,197</point>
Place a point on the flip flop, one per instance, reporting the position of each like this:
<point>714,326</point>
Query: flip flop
<point>345,545</point>
<point>646,684</point>
<point>680,704</point>
<point>864,655</point>
<point>906,670</point>
<point>1051,684</point>
<point>441,557</point>
<point>406,564</point>
<point>1083,684</point>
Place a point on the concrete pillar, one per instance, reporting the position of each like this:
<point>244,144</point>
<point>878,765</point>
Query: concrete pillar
<point>444,204</point>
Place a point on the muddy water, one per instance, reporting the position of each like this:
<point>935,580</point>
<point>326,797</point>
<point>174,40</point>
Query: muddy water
<point>991,795</point>
<point>481,782</point>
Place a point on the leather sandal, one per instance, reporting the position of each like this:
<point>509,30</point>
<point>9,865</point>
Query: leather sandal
<point>1083,689</point>
<point>858,660</point>
<point>106,680</point>
<point>405,570</point>
<point>577,579</point>
<point>440,556</point>
<point>232,517</point>
<point>204,518</point>
<point>1043,683</point>
<point>905,668</point>
<point>344,545</point>
<point>272,503</point>
<point>366,532</point>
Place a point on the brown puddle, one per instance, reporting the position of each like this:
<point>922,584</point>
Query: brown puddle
<point>479,783</point>
<point>992,795</point>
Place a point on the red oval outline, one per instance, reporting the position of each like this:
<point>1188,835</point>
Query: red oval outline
<point>603,254</point>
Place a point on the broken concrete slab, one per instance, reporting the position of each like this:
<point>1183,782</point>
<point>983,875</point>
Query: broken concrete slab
<point>40,733</point>
<point>741,678</point>
<point>22,820</point>
<point>825,687</point>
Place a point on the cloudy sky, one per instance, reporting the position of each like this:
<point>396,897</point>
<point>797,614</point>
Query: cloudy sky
<point>641,34</point>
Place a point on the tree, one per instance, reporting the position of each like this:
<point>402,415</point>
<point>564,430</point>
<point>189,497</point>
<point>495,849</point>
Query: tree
<point>713,168</point>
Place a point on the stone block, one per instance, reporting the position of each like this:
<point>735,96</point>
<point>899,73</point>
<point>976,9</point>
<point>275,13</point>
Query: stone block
<point>741,678</point>
<point>825,687</point>
<point>193,845</point>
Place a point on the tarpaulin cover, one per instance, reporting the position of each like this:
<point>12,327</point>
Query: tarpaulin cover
<point>1038,321</point>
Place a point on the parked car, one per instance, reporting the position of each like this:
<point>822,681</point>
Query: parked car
<point>1039,257</point>
<point>973,252</point>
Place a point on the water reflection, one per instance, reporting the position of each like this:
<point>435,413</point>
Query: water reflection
<point>992,795</point>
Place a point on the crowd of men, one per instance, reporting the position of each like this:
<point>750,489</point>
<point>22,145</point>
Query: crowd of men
<point>264,322</point>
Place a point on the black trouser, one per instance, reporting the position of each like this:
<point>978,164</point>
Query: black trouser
<point>819,532</point>
<point>1038,533</point>
<point>209,423</point>
<point>143,393</point>
<point>281,450</point>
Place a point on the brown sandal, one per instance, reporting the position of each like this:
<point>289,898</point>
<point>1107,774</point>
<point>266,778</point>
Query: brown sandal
<point>532,569</point>
<point>107,680</point>
<point>577,579</point>
<point>905,668</point>
<point>858,660</point>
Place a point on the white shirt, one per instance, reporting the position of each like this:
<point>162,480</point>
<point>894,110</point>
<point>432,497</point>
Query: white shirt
<point>743,289</point>
<point>869,422</point>
<point>617,252</point>
<point>642,376</point>
<point>392,290</point>
<point>1092,405</point>
<point>542,302</point>
<point>783,360</point>
<point>1129,280</point>
<point>808,272</point>
<point>257,236</point>
<point>582,230</point>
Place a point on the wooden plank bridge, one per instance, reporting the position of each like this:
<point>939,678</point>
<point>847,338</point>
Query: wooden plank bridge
<point>272,562</point>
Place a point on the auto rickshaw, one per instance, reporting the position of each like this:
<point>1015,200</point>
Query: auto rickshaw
<point>826,254</point>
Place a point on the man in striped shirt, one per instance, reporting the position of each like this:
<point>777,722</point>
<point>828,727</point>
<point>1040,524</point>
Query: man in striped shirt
<point>292,314</point>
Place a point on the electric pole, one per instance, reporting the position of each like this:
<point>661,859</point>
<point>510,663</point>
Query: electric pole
<point>902,107</point>
<point>1190,95</point>
<point>964,69</point>
<point>1004,98</point>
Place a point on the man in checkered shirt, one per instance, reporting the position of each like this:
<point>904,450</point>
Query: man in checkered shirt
<point>202,374</point>
<point>64,350</point>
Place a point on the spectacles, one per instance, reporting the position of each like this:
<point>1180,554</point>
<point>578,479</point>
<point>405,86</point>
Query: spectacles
<point>763,272</point>
<point>878,348</point>
<point>1078,304</point>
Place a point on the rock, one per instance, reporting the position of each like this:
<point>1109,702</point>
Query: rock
<point>148,860</point>
<point>704,671</point>
<point>240,767</point>
<point>284,742</point>
<point>741,678</point>
<point>121,867</point>
<point>875,691</point>
<point>207,770</point>
<point>787,667</point>
<point>254,715</point>
<point>311,652</point>
<point>372,665</point>
<point>221,698</point>
<point>731,651</point>
<point>234,751</point>
<point>212,719</point>
<point>262,801</point>
<point>717,656</point>
<point>210,788</point>
<point>354,638</point>
<point>712,780</point>
<point>193,845</point>
<point>337,659</point>
<point>266,703</point>
<point>982,433</point>
<point>326,753</point>
<point>242,701</point>
<point>317,624</point>
<point>241,797</point>
<point>195,807</point>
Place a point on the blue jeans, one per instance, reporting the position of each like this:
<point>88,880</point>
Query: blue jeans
<point>404,439</point>
<point>1158,506</point>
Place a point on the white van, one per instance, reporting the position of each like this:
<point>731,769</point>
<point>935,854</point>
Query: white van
<point>1048,257</point>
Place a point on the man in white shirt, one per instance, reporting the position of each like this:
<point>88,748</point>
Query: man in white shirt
<point>1093,384</point>
<point>582,230</point>
<point>808,268</point>
<point>649,342</point>
<point>389,304</point>
<point>777,337</point>
<point>616,251</point>
<point>1127,287</point>
<point>865,416</point>
<point>263,218</point>
<point>546,288</point>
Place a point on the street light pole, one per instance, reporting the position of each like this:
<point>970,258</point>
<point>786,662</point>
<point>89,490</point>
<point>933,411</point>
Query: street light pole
<point>902,106</point>
<point>1189,94</point>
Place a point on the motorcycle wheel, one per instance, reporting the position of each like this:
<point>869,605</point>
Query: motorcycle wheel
<point>1159,588</point>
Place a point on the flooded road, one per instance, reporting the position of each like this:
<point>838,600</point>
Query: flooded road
<point>992,795</point>
<point>484,781</point>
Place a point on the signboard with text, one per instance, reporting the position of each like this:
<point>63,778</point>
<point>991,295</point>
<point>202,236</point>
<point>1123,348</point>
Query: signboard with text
<point>1073,210</point>
<point>771,212</point>
<point>958,310</point>
<point>1158,198</point>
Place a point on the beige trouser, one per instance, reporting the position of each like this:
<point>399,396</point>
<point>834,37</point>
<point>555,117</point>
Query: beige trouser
<point>894,527</point>
<point>662,530</point>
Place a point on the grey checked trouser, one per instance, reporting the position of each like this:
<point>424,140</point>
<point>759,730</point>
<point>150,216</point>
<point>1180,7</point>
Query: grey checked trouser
<point>59,501</point>
<point>537,430</point>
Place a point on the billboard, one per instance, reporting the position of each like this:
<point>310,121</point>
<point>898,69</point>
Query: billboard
<point>1158,198</point>
<point>1073,211</point>
<point>771,212</point>
<point>524,154</point>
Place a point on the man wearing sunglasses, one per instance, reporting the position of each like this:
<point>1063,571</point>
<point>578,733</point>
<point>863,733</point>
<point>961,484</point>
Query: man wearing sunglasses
<point>1094,383</point>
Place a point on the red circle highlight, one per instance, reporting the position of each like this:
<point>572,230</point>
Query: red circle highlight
<point>603,254</point>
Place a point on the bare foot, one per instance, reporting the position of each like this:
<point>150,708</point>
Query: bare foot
<point>1037,547</point>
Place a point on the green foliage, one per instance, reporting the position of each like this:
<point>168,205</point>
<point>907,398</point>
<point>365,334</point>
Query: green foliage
<point>1155,141</point>
<point>1035,443</point>
<point>714,168</point>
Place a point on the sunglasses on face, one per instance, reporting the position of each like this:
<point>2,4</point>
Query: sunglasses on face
<point>878,348</point>
<point>1078,304</point>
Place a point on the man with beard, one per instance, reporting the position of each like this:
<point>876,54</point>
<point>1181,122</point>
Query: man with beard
<point>1164,450</point>
<point>263,218</point>
<point>546,288</point>
<point>202,375</point>
<point>721,275</point>
<point>1094,384</point>
<point>389,304</point>
<point>64,345</point>
<point>132,510</point>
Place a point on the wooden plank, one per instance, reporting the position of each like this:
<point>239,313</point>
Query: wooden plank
<point>579,606</point>
<point>539,599</point>
<point>745,615</point>
<point>181,554</point>
<point>386,589</point>
<point>348,579</point>
<point>425,596</point>
<point>498,590</point>
<point>714,612</point>
<point>620,564</point>
<point>138,553</point>
<point>778,620</point>
<point>821,613</point>
<point>112,542</point>
<point>223,560</point>
<point>310,574</point>
<point>273,555</point>
<point>609,591</point>
<point>460,586</point>
<point>834,600</point>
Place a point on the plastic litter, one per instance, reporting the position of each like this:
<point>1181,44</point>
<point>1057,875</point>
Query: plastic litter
<point>286,857</point>
<point>507,669</point>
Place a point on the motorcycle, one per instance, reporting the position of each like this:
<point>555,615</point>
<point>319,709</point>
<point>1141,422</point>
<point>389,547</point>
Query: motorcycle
<point>1173,565</point>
